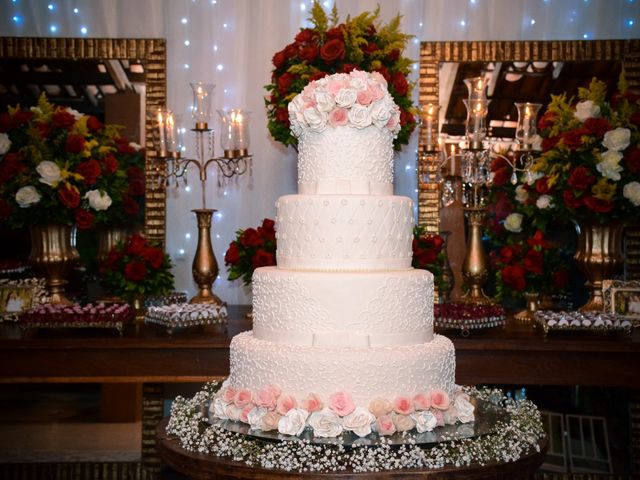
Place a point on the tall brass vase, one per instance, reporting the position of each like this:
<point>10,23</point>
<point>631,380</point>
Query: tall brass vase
<point>53,254</point>
<point>205,268</point>
<point>475,266</point>
<point>598,257</point>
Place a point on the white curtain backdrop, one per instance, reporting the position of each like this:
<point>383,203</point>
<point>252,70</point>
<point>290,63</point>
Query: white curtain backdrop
<point>231,42</point>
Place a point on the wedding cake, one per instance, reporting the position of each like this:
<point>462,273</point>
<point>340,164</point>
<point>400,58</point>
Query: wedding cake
<point>342,333</point>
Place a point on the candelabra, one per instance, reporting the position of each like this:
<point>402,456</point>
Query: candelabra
<point>471,186</point>
<point>235,161</point>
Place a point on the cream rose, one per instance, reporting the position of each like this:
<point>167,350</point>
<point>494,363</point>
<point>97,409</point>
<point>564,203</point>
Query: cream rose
<point>631,192</point>
<point>316,119</point>
<point>255,416</point>
<point>217,409</point>
<point>346,97</point>
<point>617,139</point>
<point>359,421</point>
<point>403,423</point>
<point>98,200</point>
<point>233,412</point>
<point>522,195</point>
<point>359,116</point>
<point>513,222</point>
<point>610,166</point>
<point>5,143</point>
<point>325,423</point>
<point>544,201</point>
<point>425,421</point>
<point>464,409</point>
<point>586,109</point>
<point>380,406</point>
<point>293,422</point>
<point>49,173</point>
<point>270,421</point>
<point>76,114</point>
<point>27,196</point>
<point>136,146</point>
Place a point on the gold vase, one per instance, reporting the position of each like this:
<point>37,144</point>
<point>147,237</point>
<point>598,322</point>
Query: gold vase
<point>533,305</point>
<point>109,237</point>
<point>599,257</point>
<point>448,281</point>
<point>53,254</point>
<point>204,267</point>
<point>475,264</point>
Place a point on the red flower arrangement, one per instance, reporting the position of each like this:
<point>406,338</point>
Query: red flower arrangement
<point>137,268</point>
<point>58,165</point>
<point>252,248</point>
<point>428,253</point>
<point>330,47</point>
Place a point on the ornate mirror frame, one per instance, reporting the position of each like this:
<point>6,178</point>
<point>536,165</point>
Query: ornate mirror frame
<point>152,52</point>
<point>433,53</point>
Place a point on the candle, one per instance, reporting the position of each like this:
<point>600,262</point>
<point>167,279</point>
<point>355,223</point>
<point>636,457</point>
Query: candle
<point>171,137</point>
<point>527,122</point>
<point>430,126</point>
<point>452,158</point>
<point>476,122</point>
<point>236,130</point>
<point>161,132</point>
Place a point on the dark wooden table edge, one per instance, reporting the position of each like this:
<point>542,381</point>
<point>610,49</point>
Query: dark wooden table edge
<point>201,466</point>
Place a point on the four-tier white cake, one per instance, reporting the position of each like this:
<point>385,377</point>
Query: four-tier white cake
<point>342,333</point>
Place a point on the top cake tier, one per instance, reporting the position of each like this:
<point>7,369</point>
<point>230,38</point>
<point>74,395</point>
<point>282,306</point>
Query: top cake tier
<point>345,124</point>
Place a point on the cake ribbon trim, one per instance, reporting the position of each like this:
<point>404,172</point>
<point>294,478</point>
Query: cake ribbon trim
<point>342,339</point>
<point>344,186</point>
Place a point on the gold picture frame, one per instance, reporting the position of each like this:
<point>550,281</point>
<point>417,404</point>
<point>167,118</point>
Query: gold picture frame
<point>622,298</point>
<point>17,296</point>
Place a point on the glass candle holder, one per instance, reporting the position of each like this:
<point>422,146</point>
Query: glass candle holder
<point>477,87</point>
<point>476,125</point>
<point>174,134</point>
<point>160,121</point>
<point>526,129</point>
<point>201,106</point>
<point>429,118</point>
<point>234,132</point>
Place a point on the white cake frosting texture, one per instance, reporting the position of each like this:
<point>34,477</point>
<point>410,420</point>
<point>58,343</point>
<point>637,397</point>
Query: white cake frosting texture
<point>342,334</point>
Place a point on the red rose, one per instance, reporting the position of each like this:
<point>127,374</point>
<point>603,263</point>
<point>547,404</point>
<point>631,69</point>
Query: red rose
<point>135,271</point>
<point>74,144</point>
<point>336,32</point>
<point>135,172</point>
<point>580,178</point>
<point>348,68</point>
<point>44,129</point>
<point>533,262</point>
<point>291,50</point>
<point>94,124</point>
<point>498,163</point>
<point>546,120</point>
<point>507,254</point>
<point>597,126</point>
<point>267,230</point>
<point>332,50</point>
<point>382,70</point>
<point>538,240</point>
<point>571,200</point>
<point>282,116</point>
<point>438,242</point>
<point>635,118</point>
<point>135,244</point>
<point>233,254</point>
<point>549,143</point>
<point>130,206</point>
<point>251,238</point>
<point>370,48</point>
<point>393,56</point>
<point>542,186</point>
<point>573,138</point>
<point>284,83</point>
<point>406,117</point>
<point>154,256</point>
<point>317,76</point>
<point>309,52</point>
<point>501,176</point>
<point>263,259</point>
<point>560,279</point>
<point>11,122</point>
<point>5,209</point>
<point>62,119</point>
<point>113,258</point>
<point>425,257</point>
<point>513,277</point>
<point>124,148</point>
<point>10,166</point>
<point>110,164</point>
<point>136,186</point>
<point>305,35</point>
<point>69,196</point>
<point>279,59</point>
<point>598,205</point>
<point>633,160</point>
<point>400,84</point>
<point>84,219</point>
<point>90,171</point>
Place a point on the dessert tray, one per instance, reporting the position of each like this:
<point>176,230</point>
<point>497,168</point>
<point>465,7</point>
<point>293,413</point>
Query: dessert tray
<point>575,321</point>
<point>100,315</point>
<point>181,315</point>
<point>504,430</point>
<point>466,317</point>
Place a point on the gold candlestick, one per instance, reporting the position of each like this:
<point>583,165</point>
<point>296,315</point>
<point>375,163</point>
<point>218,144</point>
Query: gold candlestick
<point>205,267</point>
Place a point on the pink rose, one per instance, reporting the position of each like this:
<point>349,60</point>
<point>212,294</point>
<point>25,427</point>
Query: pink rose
<point>285,403</point>
<point>393,121</point>
<point>403,405</point>
<point>244,413</point>
<point>377,93</point>
<point>229,394</point>
<point>242,398</point>
<point>270,421</point>
<point>338,117</point>
<point>365,97</point>
<point>312,403</point>
<point>265,398</point>
<point>422,401</point>
<point>385,426</point>
<point>341,403</point>
<point>439,417</point>
<point>439,399</point>
<point>274,389</point>
<point>335,85</point>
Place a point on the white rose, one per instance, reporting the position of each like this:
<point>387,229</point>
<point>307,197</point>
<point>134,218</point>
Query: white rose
<point>532,177</point>
<point>544,202</point>
<point>359,421</point>
<point>631,191</point>
<point>98,200</point>
<point>324,101</point>
<point>293,422</point>
<point>233,412</point>
<point>346,97</point>
<point>522,195</point>
<point>425,421</point>
<point>217,409</point>
<point>316,120</point>
<point>49,173</point>
<point>464,409</point>
<point>617,139</point>
<point>450,415</point>
<point>255,416</point>
<point>359,116</point>
<point>135,146</point>
<point>5,143</point>
<point>76,114</point>
<point>513,222</point>
<point>325,423</point>
<point>27,196</point>
<point>610,166</point>
<point>357,82</point>
<point>536,142</point>
<point>586,109</point>
<point>381,113</point>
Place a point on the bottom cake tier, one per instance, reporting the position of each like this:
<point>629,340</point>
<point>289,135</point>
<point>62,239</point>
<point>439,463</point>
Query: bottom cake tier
<point>364,374</point>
